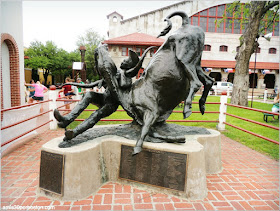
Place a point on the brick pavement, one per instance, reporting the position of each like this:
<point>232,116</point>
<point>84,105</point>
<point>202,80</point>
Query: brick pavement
<point>249,181</point>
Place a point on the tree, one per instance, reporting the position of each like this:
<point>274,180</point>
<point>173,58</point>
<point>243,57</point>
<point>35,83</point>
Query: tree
<point>258,17</point>
<point>62,64</point>
<point>90,40</point>
<point>49,58</point>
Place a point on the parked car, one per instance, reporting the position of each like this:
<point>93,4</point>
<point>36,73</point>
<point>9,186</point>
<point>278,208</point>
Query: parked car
<point>220,87</point>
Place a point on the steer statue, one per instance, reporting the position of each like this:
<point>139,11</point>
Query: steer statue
<point>173,75</point>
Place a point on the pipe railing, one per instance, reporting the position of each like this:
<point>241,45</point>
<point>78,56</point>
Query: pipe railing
<point>62,99</point>
<point>13,139</point>
<point>253,109</point>
<point>222,119</point>
<point>25,120</point>
<point>23,106</point>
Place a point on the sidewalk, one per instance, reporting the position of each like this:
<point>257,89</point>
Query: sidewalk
<point>249,181</point>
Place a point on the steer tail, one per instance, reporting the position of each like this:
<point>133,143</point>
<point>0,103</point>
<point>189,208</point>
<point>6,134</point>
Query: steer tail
<point>185,21</point>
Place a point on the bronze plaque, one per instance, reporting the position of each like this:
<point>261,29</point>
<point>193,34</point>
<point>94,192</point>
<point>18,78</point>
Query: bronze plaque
<point>51,172</point>
<point>159,168</point>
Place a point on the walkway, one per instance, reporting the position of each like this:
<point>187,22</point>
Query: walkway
<point>249,181</point>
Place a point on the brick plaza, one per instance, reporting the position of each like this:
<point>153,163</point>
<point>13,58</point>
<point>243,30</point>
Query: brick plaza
<point>249,181</point>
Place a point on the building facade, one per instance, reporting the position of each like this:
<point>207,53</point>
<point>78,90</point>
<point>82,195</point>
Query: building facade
<point>221,40</point>
<point>12,56</point>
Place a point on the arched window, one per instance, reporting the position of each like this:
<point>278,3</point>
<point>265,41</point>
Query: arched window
<point>272,51</point>
<point>223,48</point>
<point>208,20</point>
<point>115,19</point>
<point>207,48</point>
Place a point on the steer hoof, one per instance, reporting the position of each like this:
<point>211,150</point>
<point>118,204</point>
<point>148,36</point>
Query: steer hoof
<point>136,150</point>
<point>202,106</point>
<point>187,113</point>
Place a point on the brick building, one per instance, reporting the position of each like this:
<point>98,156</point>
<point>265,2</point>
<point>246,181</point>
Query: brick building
<point>12,57</point>
<point>138,42</point>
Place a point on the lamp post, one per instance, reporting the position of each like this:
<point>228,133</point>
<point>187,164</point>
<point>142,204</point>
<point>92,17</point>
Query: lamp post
<point>83,70</point>
<point>267,37</point>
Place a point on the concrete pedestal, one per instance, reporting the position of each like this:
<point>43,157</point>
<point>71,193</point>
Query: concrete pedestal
<point>88,165</point>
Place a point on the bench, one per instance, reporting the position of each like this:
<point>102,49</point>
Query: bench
<point>269,96</point>
<point>266,115</point>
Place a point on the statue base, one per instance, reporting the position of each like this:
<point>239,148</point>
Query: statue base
<point>180,169</point>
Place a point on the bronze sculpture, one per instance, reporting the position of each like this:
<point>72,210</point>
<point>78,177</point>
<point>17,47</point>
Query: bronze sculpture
<point>173,75</point>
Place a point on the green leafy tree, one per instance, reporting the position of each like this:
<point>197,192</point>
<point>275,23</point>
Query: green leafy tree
<point>50,59</point>
<point>257,18</point>
<point>90,40</point>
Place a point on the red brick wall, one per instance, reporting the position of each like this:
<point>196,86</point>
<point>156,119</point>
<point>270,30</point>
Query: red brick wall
<point>14,70</point>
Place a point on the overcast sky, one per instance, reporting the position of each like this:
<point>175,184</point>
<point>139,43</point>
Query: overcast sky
<point>63,21</point>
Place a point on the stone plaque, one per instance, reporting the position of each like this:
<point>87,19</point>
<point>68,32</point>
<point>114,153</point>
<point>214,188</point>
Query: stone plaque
<point>159,168</point>
<point>51,172</point>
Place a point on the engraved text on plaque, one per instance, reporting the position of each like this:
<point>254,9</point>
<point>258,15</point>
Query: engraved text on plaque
<point>51,172</point>
<point>159,168</point>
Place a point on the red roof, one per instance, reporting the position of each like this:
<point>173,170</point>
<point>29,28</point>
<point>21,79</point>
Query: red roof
<point>231,64</point>
<point>136,39</point>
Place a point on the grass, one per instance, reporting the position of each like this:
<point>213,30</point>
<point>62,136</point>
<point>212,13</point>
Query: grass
<point>251,141</point>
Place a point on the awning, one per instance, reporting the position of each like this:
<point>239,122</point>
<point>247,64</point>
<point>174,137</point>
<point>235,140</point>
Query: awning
<point>231,64</point>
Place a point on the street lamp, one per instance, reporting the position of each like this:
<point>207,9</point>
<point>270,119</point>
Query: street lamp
<point>267,37</point>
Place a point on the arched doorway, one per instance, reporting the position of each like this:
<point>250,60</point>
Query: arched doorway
<point>269,80</point>
<point>217,76</point>
<point>10,74</point>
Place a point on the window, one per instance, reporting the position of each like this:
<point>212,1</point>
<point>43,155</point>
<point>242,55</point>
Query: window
<point>207,48</point>
<point>203,23</point>
<point>276,28</point>
<point>223,48</point>
<point>139,51</point>
<point>153,51</point>
<point>208,18</point>
<point>272,51</point>
<point>211,25</point>
<point>258,50</point>
<point>115,19</point>
<point>125,51</point>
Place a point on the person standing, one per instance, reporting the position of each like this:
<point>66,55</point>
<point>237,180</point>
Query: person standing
<point>40,90</point>
<point>68,93</point>
<point>275,107</point>
<point>80,89</point>
<point>31,90</point>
